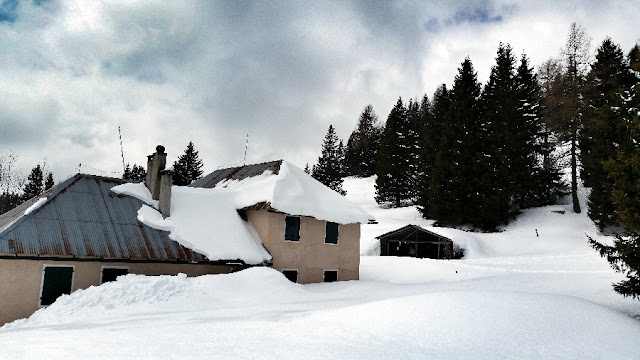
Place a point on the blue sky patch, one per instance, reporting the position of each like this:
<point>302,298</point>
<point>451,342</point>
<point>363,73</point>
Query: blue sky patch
<point>8,10</point>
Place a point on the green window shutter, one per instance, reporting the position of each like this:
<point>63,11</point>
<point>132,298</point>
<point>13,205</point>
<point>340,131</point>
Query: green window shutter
<point>292,228</point>
<point>331,233</point>
<point>57,281</point>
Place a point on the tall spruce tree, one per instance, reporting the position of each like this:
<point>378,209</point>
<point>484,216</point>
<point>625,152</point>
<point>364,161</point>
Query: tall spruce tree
<point>136,173</point>
<point>452,181</point>
<point>48,183</point>
<point>540,183</point>
<point>609,85</point>
<point>362,145</point>
<point>499,162</point>
<point>434,117</point>
<point>328,169</point>
<point>395,182</point>
<point>188,167</point>
<point>34,185</point>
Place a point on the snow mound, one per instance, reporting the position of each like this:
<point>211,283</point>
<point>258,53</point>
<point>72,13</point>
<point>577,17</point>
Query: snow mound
<point>133,293</point>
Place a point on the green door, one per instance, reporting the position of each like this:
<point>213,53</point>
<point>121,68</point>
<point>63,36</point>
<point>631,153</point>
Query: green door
<point>57,281</point>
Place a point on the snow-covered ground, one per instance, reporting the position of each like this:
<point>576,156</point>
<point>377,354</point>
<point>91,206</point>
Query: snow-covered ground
<point>515,295</point>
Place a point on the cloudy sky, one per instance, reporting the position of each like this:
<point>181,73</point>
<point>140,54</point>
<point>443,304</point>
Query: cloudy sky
<point>170,72</point>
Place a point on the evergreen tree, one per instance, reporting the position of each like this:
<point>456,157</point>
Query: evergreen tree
<point>624,254</point>
<point>362,145</point>
<point>327,170</point>
<point>499,162</point>
<point>609,84</point>
<point>540,182</point>
<point>342,167</point>
<point>307,169</point>
<point>48,184</point>
<point>34,184</point>
<point>634,58</point>
<point>453,172</point>
<point>136,173</point>
<point>395,182</point>
<point>414,130</point>
<point>434,117</point>
<point>188,167</point>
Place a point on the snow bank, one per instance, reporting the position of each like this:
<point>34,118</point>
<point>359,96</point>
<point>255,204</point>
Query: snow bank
<point>35,206</point>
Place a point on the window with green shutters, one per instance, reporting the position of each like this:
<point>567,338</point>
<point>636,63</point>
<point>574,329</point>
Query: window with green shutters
<point>56,281</point>
<point>292,228</point>
<point>331,233</point>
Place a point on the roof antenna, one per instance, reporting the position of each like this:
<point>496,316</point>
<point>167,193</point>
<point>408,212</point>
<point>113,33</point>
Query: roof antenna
<point>124,168</point>
<point>246,147</point>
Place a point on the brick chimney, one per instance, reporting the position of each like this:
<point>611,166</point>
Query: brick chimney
<point>158,180</point>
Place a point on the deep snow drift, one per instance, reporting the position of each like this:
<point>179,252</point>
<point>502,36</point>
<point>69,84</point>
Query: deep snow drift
<point>514,295</point>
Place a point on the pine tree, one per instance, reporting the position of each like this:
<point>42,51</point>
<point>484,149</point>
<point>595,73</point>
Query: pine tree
<point>395,182</point>
<point>452,183</point>
<point>188,167</point>
<point>434,117</point>
<point>34,184</point>
<point>136,173</point>
<point>48,184</point>
<point>327,170</point>
<point>634,58</point>
<point>499,163</point>
<point>609,84</point>
<point>540,182</point>
<point>362,145</point>
<point>307,169</point>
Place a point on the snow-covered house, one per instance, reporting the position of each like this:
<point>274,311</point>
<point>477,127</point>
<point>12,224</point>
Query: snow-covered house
<point>90,229</point>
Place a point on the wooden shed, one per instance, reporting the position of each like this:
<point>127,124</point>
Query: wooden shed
<point>415,241</point>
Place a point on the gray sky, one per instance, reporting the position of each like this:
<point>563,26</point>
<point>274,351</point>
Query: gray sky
<point>170,72</point>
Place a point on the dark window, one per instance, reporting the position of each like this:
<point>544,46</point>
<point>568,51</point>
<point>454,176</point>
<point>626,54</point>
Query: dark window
<point>331,233</point>
<point>292,275</point>
<point>110,274</point>
<point>57,281</point>
<point>330,275</point>
<point>292,228</point>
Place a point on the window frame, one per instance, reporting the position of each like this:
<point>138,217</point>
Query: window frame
<point>337,233</point>
<point>44,267</point>
<point>324,275</point>
<point>297,274</point>
<point>111,267</point>
<point>299,228</point>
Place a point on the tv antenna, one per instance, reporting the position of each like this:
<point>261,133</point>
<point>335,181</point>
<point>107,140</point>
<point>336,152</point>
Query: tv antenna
<point>246,147</point>
<point>121,149</point>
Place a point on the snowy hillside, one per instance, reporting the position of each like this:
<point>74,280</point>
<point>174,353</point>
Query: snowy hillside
<point>514,295</point>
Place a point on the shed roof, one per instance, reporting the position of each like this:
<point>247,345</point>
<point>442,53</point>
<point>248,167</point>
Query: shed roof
<point>405,232</point>
<point>82,218</point>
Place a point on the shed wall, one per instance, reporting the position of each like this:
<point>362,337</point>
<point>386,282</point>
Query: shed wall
<point>20,280</point>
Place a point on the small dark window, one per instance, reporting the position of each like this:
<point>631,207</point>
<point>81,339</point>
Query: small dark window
<point>56,282</point>
<point>110,274</point>
<point>292,275</point>
<point>292,228</point>
<point>330,275</point>
<point>331,233</point>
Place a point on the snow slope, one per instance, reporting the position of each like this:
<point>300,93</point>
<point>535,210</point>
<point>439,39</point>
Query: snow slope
<point>514,296</point>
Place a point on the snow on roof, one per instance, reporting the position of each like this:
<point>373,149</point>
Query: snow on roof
<point>204,220</point>
<point>207,221</point>
<point>294,192</point>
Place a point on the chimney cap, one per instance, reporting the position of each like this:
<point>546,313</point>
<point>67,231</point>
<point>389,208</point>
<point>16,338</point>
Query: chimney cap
<point>160,149</point>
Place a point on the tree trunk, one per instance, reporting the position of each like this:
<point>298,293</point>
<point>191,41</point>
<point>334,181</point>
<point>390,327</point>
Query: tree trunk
<point>574,172</point>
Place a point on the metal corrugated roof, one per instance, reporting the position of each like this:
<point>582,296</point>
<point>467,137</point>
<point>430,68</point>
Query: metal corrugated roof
<point>237,173</point>
<point>82,218</point>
